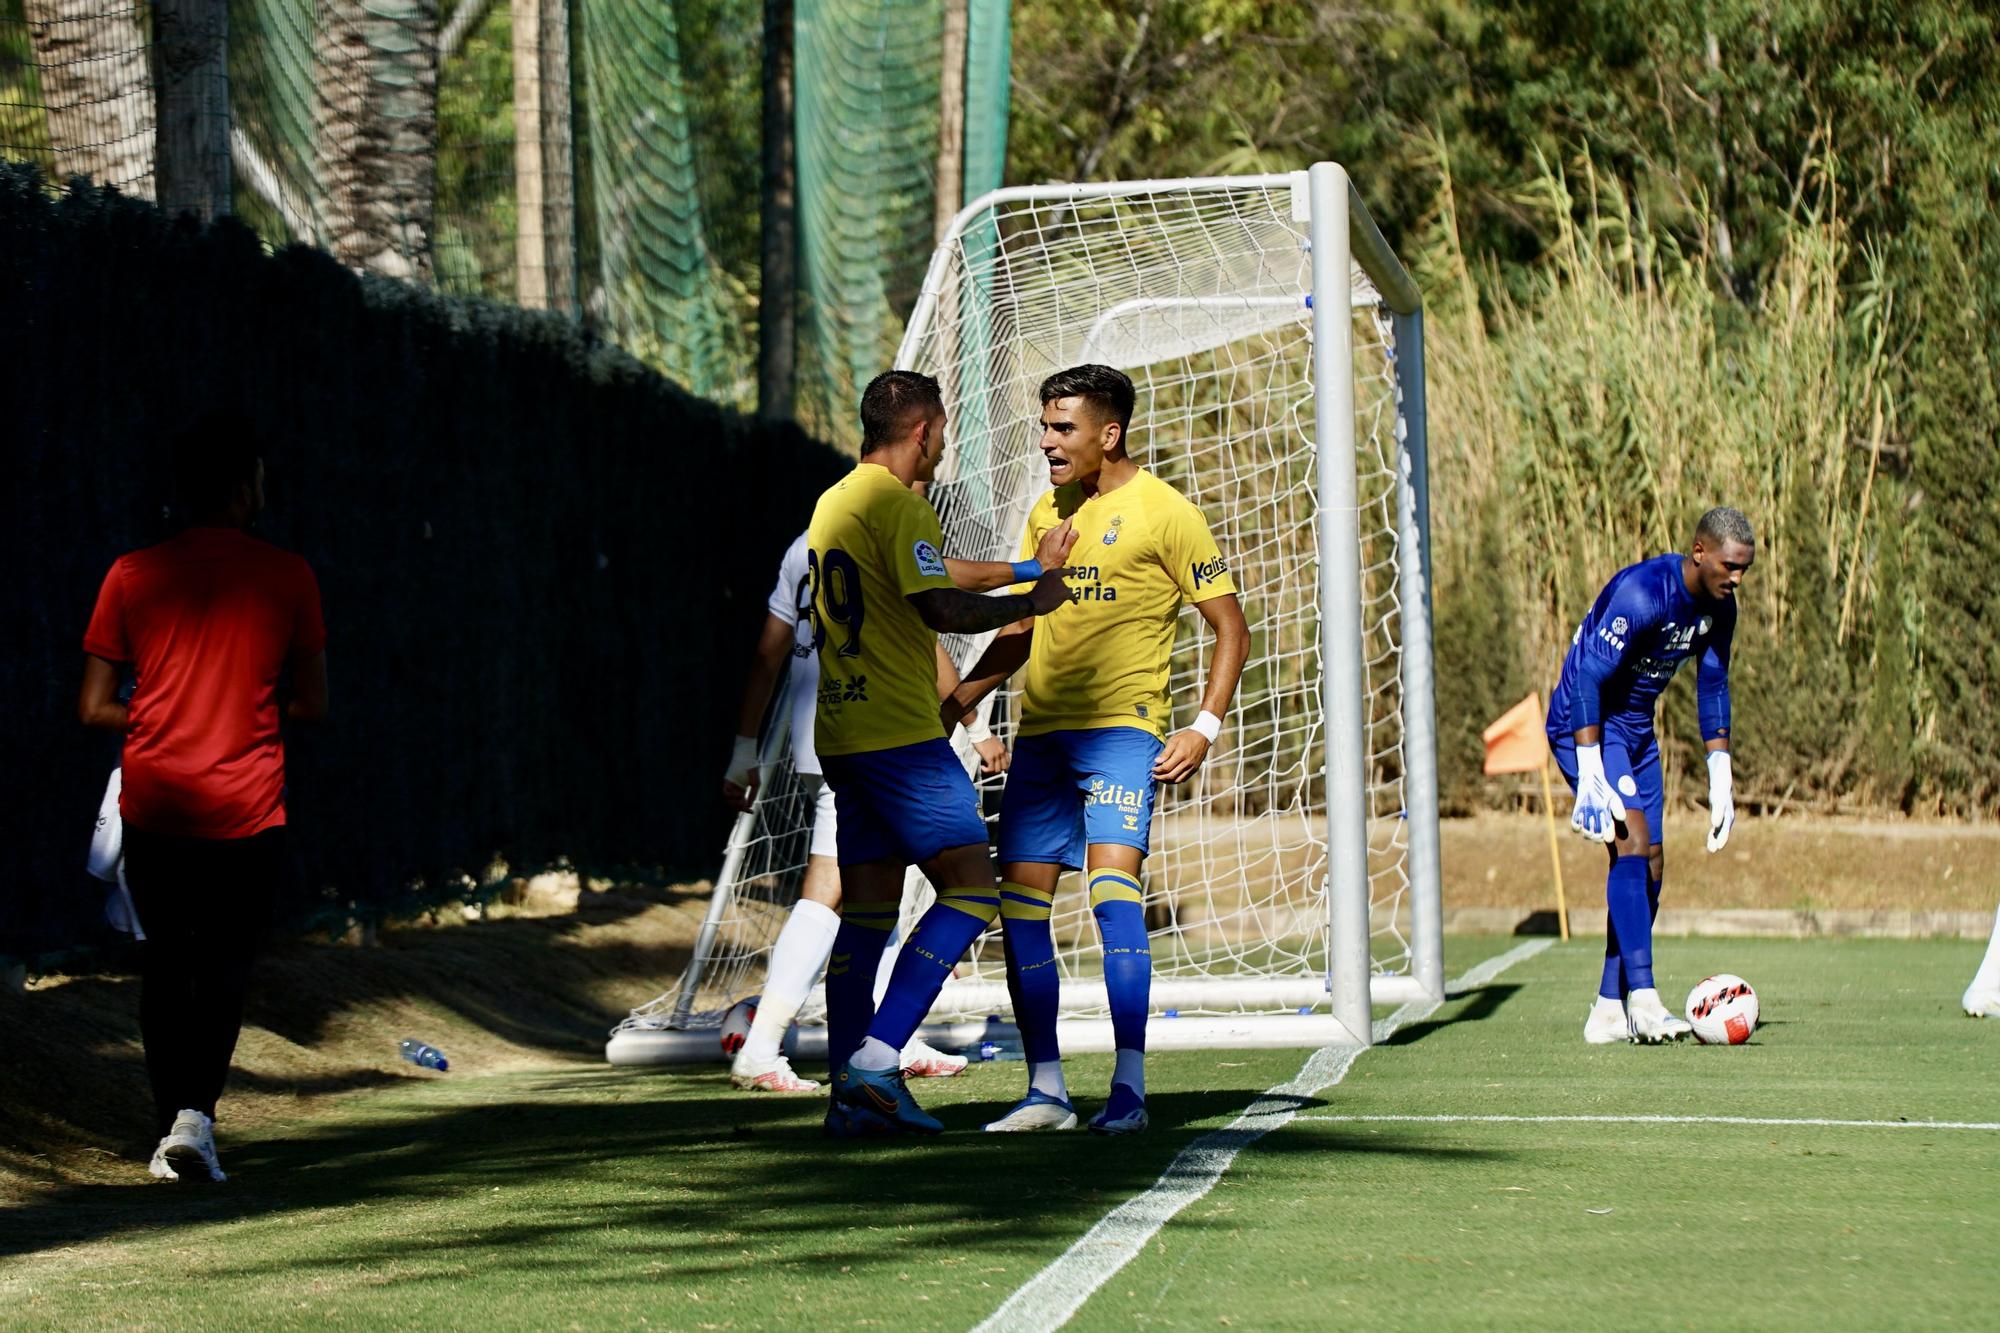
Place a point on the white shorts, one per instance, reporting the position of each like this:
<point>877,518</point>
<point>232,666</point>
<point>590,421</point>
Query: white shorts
<point>824,839</point>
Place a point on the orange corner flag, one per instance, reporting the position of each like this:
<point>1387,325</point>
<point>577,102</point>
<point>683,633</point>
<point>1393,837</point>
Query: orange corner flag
<point>1516,743</point>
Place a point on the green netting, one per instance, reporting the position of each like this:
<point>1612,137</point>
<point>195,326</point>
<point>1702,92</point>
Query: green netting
<point>662,295</point>
<point>867,162</point>
<point>386,132</point>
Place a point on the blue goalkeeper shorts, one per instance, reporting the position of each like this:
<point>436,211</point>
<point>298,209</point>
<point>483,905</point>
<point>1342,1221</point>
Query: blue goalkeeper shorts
<point>1632,763</point>
<point>905,804</point>
<point>1067,790</point>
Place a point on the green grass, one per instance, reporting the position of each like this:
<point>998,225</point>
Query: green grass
<point>598,1198</point>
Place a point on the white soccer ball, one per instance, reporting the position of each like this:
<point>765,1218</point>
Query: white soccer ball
<point>1723,1010</point>
<point>736,1024</point>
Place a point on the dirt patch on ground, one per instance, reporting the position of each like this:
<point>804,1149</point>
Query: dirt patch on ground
<point>1799,864</point>
<point>530,985</point>
<point>539,980</point>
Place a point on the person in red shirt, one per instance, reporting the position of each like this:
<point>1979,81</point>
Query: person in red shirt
<point>210,623</point>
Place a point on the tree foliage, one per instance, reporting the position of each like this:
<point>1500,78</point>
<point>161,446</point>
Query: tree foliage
<point>1554,170</point>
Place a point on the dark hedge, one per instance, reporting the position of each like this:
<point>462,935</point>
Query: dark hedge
<point>542,564</point>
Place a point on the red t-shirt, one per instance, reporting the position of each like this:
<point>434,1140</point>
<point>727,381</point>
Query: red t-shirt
<point>209,620</point>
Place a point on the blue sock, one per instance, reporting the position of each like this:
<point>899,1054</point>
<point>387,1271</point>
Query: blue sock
<point>1631,919</point>
<point>1031,969</point>
<point>1119,906</point>
<point>1613,987</point>
<point>940,939</point>
<point>850,976</point>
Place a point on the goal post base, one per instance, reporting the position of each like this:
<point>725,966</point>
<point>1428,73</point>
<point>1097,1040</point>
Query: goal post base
<point>645,1046</point>
<point>642,1047</point>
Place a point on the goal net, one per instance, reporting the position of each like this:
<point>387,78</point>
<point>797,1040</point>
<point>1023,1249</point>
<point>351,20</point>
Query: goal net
<point>1276,346</point>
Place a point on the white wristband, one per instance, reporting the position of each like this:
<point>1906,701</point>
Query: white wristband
<point>1208,724</point>
<point>1719,772</point>
<point>742,761</point>
<point>977,731</point>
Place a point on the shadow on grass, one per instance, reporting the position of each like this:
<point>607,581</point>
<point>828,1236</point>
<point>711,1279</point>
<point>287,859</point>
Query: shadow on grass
<point>1485,1002</point>
<point>75,1076</point>
<point>695,1177</point>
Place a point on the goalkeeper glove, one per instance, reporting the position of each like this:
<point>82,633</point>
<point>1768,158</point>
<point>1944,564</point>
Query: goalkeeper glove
<point>1597,811</point>
<point>1721,801</point>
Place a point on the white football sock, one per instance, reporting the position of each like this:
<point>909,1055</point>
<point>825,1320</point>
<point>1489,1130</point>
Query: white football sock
<point>1988,975</point>
<point>1649,998</point>
<point>888,963</point>
<point>1046,1077</point>
<point>797,959</point>
<point>1130,1070</point>
<point>1607,1005</point>
<point>876,1054</point>
<point>1983,995</point>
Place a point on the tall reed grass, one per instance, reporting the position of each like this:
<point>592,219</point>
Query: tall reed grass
<point>1583,415</point>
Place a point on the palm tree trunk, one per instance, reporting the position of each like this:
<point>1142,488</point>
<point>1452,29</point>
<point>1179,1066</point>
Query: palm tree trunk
<point>375,76</point>
<point>97,89</point>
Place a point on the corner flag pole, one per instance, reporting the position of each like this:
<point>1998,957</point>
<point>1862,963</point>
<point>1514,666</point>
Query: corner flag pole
<point>1555,854</point>
<point>1516,743</point>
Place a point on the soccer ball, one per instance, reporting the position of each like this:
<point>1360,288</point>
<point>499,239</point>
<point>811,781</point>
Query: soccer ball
<point>1723,1010</point>
<point>736,1024</point>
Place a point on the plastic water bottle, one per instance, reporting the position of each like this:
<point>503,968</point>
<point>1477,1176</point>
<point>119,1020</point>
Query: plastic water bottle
<point>1007,1048</point>
<point>424,1055</point>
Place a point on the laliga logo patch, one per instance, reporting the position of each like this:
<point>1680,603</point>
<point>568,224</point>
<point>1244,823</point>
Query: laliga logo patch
<point>929,562</point>
<point>1619,626</point>
<point>1704,625</point>
<point>1112,536</point>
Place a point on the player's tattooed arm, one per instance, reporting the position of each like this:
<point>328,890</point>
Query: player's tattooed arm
<point>955,611</point>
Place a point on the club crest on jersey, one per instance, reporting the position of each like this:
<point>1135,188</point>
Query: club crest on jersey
<point>1209,570</point>
<point>1112,536</point>
<point>929,562</point>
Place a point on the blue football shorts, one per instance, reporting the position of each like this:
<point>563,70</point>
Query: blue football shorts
<point>1069,789</point>
<point>1632,762</point>
<point>905,804</point>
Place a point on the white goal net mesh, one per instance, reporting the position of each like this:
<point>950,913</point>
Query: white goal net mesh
<point>1199,292</point>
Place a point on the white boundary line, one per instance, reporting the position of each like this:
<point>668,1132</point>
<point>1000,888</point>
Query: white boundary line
<point>1048,1299</point>
<point>1649,1120</point>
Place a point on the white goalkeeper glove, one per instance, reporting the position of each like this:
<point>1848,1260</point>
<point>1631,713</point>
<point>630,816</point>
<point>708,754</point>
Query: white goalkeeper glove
<point>1721,800</point>
<point>1598,811</point>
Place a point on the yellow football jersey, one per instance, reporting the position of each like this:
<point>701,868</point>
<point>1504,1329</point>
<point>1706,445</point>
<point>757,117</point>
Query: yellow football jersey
<point>873,542</point>
<point>1141,551</point>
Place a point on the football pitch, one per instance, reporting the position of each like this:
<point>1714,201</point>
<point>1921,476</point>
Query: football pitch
<point>1483,1167</point>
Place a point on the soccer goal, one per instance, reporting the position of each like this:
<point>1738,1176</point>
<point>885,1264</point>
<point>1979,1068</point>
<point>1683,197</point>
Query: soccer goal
<point>1277,346</point>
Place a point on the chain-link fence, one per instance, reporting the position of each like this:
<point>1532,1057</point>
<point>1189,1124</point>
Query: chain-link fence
<point>604,159</point>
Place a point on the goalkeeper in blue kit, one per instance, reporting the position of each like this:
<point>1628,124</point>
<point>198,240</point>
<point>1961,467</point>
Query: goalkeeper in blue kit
<point>1649,618</point>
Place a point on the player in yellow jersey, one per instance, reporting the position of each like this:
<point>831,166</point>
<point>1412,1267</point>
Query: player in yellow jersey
<point>880,595</point>
<point>1093,741</point>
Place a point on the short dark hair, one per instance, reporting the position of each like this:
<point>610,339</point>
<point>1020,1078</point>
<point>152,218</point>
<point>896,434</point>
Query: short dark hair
<point>890,400</point>
<point>1109,390</point>
<point>1721,524</point>
<point>213,455</point>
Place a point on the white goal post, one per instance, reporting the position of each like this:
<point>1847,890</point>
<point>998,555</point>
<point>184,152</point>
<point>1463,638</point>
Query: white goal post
<point>1277,347</point>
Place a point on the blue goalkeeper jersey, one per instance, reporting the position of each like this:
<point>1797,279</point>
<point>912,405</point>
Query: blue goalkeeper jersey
<point>1642,627</point>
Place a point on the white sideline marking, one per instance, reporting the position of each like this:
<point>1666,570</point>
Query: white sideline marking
<point>1654,1120</point>
<point>1048,1299</point>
